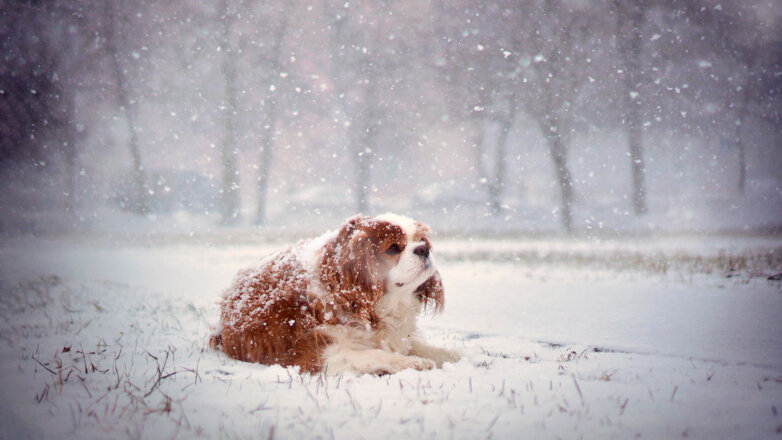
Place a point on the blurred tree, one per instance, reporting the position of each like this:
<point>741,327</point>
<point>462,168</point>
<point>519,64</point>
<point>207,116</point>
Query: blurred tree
<point>353,70</point>
<point>230,205</point>
<point>556,57</point>
<point>629,19</point>
<point>536,55</point>
<point>373,54</point>
<point>753,45</point>
<point>271,74</point>
<point>726,56</point>
<point>481,80</point>
<point>119,57</point>
<point>506,120</point>
<point>36,104</point>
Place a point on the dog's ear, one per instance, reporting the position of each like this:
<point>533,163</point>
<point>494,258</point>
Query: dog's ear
<point>422,229</point>
<point>431,292</point>
<point>362,263</point>
<point>349,227</point>
<point>350,271</point>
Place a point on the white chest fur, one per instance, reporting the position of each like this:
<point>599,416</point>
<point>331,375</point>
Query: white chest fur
<point>393,346</point>
<point>397,311</point>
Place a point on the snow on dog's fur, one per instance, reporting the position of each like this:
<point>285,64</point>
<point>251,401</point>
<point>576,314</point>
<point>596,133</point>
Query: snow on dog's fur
<point>344,302</point>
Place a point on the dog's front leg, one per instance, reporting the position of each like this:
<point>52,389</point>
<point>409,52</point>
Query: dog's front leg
<point>339,360</point>
<point>438,355</point>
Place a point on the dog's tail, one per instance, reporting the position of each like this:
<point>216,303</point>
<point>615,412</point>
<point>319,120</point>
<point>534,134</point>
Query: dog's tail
<point>216,339</point>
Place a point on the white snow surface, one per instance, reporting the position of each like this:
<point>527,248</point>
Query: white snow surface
<point>559,340</point>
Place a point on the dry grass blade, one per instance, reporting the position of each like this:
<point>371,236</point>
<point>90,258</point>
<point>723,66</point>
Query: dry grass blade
<point>578,388</point>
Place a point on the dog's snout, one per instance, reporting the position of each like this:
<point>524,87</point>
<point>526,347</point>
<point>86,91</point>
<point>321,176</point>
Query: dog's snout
<point>422,251</point>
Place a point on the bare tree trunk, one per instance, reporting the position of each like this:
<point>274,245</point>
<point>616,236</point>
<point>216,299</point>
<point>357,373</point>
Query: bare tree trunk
<point>230,186</point>
<point>740,147</point>
<point>270,116</point>
<point>477,145</point>
<point>366,147</point>
<point>742,164</point>
<point>737,137</point>
<point>553,129</point>
<point>498,183</point>
<point>361,130</point>
<point>558,152</point>
<point>140,205</point>
<point>636,156</point>
<point>629,20</point>
<point>362,182</point>
<point>70,176</point>
<point>267,144</point>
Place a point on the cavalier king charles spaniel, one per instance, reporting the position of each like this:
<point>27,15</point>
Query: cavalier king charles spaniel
<point>345,302</point>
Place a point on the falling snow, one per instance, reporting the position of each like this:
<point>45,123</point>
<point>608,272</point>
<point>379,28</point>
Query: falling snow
<point>618,159</point>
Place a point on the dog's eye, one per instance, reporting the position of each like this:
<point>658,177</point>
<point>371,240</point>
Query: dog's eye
<point>394,249</point>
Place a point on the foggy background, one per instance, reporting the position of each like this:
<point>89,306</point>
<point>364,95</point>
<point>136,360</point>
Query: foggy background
<point>513,116</point>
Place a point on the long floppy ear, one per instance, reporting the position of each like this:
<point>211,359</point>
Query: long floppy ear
<point>360,263</point>
<point>350,271</point>
<point>431,292</point>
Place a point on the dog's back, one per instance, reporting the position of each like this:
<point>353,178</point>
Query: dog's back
<point>267,316</point>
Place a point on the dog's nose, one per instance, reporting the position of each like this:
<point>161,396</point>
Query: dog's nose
<point>422,251</point>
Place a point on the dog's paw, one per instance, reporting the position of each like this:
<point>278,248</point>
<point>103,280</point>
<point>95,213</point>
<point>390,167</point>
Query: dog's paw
<point>421,364</point>
<point>441,356</point>
<point>402,363</point>
<point>452,356</point>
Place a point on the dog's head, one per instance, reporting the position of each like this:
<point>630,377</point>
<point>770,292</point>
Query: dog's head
<point>373,256</point>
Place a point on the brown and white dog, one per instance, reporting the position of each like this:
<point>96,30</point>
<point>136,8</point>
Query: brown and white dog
<point>346,301</point>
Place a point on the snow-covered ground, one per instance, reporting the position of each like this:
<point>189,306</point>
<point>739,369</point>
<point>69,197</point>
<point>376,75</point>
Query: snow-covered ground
<point>633,337</point>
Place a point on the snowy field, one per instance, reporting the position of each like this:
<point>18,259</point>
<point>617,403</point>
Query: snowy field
<point>635,337</point>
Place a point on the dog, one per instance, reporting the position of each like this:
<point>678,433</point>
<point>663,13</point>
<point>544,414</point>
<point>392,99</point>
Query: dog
<point>345,302</point>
